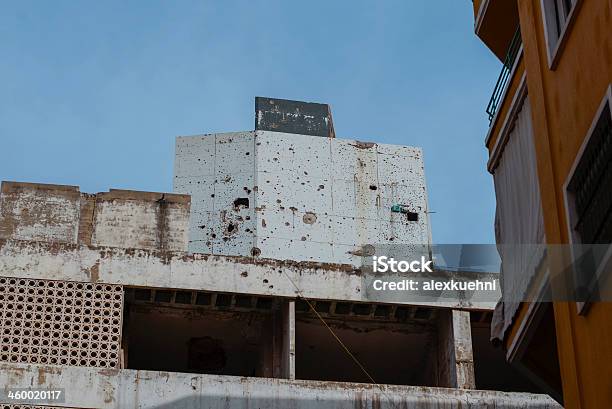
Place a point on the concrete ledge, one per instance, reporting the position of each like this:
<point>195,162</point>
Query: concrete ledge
<point>178,270</point>
<point>127,389</point>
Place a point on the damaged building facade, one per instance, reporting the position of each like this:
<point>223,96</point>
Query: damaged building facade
<point>242,288</point>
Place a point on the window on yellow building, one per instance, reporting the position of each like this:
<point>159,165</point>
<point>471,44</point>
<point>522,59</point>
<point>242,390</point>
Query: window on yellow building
<point>589,203</point>
<point>557,14</point>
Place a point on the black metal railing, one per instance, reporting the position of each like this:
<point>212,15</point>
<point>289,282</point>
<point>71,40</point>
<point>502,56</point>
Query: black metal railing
<point>504,75</point>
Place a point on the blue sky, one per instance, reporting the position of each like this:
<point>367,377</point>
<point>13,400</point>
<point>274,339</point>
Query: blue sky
<point>93,93</point>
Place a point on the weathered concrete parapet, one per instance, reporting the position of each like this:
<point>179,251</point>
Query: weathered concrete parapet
<point>40,212</point>
<point>118,218</point>
<point>131,389</point>
<point>146,220</point>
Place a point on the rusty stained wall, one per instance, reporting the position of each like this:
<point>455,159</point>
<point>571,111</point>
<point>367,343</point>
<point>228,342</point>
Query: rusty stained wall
<point>309,198</point>
<point>119,218</point>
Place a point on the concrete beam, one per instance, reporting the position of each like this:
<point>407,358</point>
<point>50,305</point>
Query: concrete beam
<point>178,270</point>
<point>131,389</point>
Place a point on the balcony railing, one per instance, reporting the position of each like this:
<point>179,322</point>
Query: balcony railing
<point>504,75</point>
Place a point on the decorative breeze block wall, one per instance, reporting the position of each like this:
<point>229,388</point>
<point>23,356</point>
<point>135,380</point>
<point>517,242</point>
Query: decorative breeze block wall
<point>60,322</point>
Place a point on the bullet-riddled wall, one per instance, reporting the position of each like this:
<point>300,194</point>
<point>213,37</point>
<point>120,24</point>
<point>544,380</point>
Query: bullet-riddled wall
<point>300,197</point>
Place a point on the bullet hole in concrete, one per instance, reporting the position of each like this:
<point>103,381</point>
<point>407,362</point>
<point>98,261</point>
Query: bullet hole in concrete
<point>247,218</point>
<point>265,280</point>
<point>309,218</point>
<point>287,223</point>
<point>321,187</point>
<point>278,200</point>
<point>248,153</point>
<point>213,235</point>
<point>244,274</point>
<point>202,226</point>
<point>255,252</point>
<point>263,222</point>
<point>303,238</point>
<point>241,202</point>
<point>373,187</point>
<point>412,217</point>
<point>213,195</point>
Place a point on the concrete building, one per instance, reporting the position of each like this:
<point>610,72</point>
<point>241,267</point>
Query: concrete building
<point>249,293</point>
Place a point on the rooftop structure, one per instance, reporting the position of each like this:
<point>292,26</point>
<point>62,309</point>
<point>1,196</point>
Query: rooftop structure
<point>298,196</point>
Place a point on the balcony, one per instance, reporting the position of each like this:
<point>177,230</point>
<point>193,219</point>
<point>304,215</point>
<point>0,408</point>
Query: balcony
<point>504,76</point>
<point>495,22</point>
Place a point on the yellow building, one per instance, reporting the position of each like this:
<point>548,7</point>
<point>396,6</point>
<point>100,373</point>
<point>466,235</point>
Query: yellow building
<point>550,153</point>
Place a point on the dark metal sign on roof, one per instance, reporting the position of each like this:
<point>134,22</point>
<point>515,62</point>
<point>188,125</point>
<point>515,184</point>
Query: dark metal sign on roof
<point>282,115</point>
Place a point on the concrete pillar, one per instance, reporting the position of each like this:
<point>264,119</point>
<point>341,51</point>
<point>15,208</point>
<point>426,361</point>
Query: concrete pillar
<point>287,369</point>
<point>455,356</point>
<point>278,356</point>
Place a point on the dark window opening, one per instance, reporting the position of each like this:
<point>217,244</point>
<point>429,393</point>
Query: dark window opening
<point>400,353</point>
<point>191,333</point>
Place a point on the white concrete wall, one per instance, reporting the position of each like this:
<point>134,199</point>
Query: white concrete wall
<point>216,170</point>
<point>131,389</point>
<point>310,198</point>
